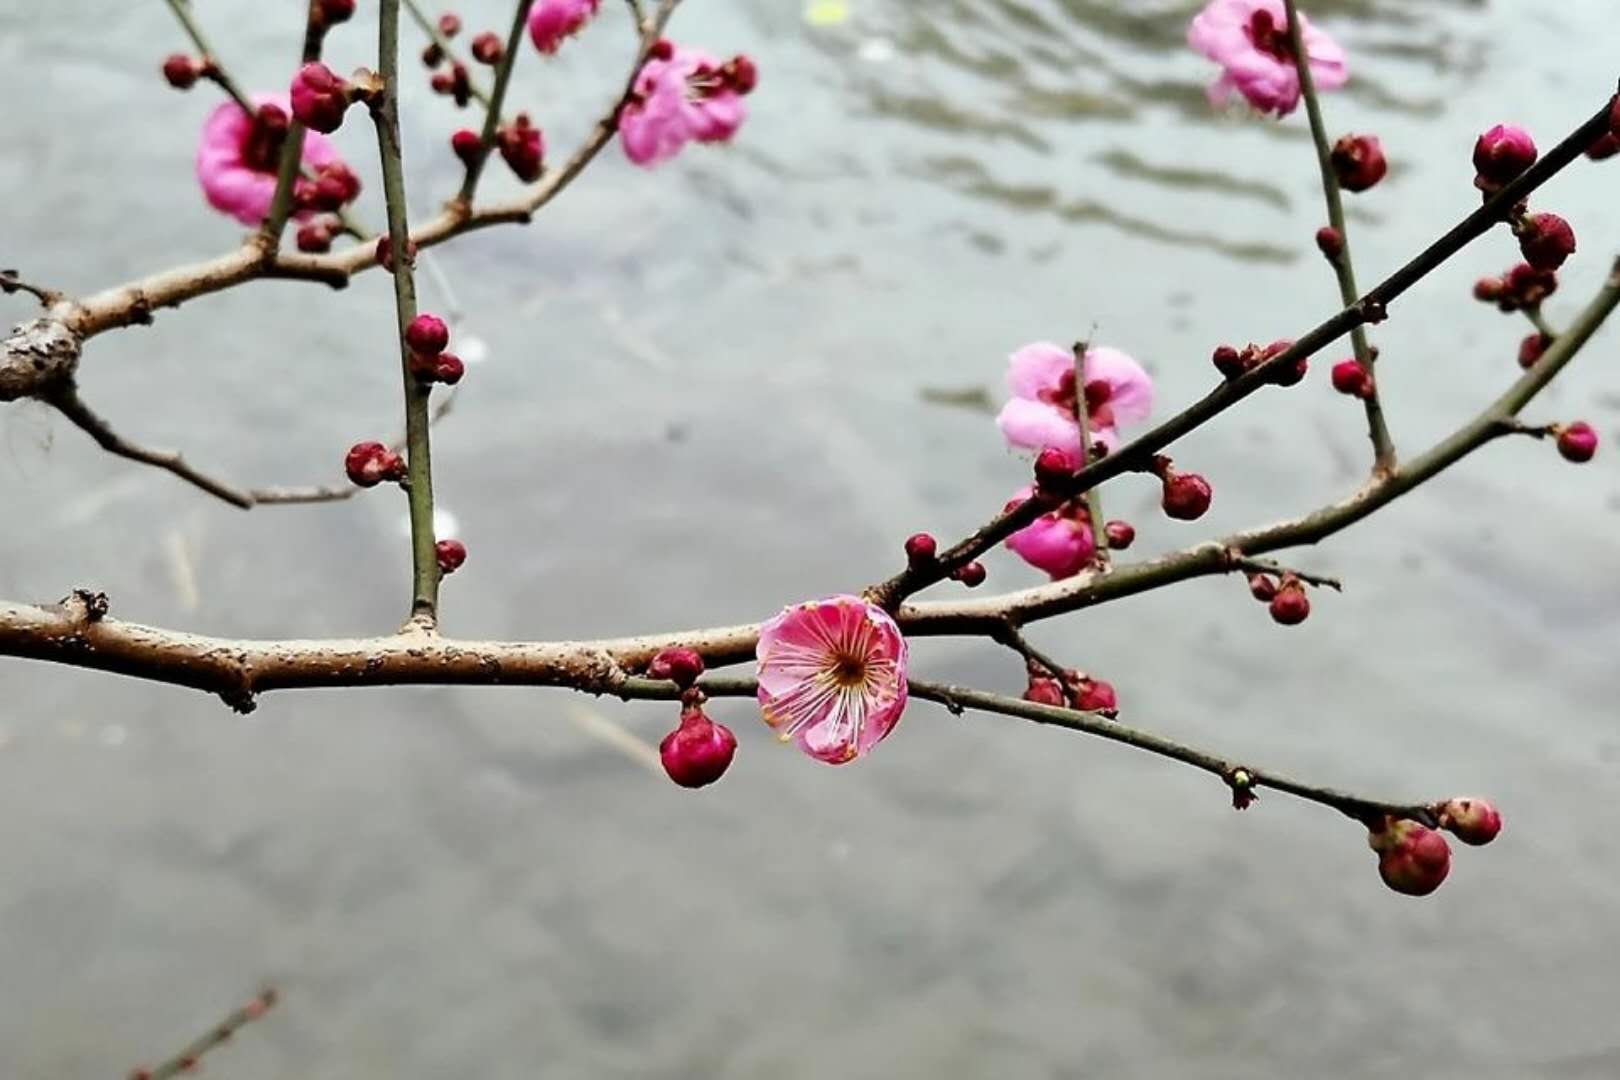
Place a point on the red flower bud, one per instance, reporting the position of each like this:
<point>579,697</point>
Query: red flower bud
<point>1412,859</point>
<point>1120,534</point>
<point>319,98</point>
<point>740,74</point>
<point>1531,348</point>
<point>487,48</point>
<point>680,666</point>
<point>1044,691</point>
<point>448,369</point>
<point>1546,240</point>
<point>182,71</point>
<point>1330,241</point>
<point>1228,361</point>
<point>1488,289</point>
<point>1358,162</point>
<point>449,24</point>
<point>1290,606</point>
<point>1606,146</point>
<point>467,145</point>
<point>662,49</point>
<point>315,237</point>
<point>1053,466</point>
<point>1262,587</point>
<point>972,575</point>
<point>1578,442</point>
<point>699,751</point>
<point>1349,377</point>
<point>450,554</point>
<point>370,463</point>
<point>335,186</point>
<point>1501,154</point>
<point>1186,496</point>
<point>522,147</point>
<point>427,335</point>
<point>1090,695</point>
<point>920,550</point>
<point>432,57</point>
<point>385,252</point>
<point>1473,821</point>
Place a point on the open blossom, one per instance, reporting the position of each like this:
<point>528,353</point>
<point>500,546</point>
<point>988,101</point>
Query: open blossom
<point>682,95</point>
<point>1249,39</point>
<point>553,21</point>
<point>832,676</point>
<point>1042,410</point>
<point>1061,542</point>
<point>239,154</point>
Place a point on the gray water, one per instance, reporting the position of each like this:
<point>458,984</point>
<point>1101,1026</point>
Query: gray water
<point>706,396</point>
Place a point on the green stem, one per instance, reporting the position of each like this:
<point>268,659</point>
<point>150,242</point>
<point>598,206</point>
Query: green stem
<point>1539,321</point>
<point>425,576</point>
<point>492,115</point>
<point>1082,416</point>
<point>1343,266</point>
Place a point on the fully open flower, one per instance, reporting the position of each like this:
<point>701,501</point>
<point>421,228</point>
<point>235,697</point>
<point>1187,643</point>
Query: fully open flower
<point>683,96</point>
<point>1042,410</point>
<point>553,21</point>
<point>1061,542</point>
<point>832,676</point>
<point>239,154</point>
<point>1249,39</point>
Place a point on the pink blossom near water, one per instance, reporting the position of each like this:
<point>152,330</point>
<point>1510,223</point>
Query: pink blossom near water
<point>1249,39</point>
<point>1041,412</point>
<point>237,157</point>
<point>832,676</point>
<point>1060,543</point>
<point>686,97</point>
<point>551,22</point>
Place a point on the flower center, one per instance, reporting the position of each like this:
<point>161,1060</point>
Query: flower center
<point>1264,34</point>
<point>849,670</point>
<point>1098,394</point>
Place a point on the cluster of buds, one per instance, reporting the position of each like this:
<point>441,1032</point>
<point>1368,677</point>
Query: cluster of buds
<point>427,337</point>
<point>1071,689</point>
<point>1500,155</point>
<point>699,751</point>
<point>455,82</point>
<point>1286,599</point>
<point>1234,363</point>
<point>333,186</point>
<point>1414,859</point>
<point>1358,162</point>
<point>182,71</point>
<point>1349,377</point>
<point>1186,496</point>
<point>370,463</point>
<point>1521,288</point>
<point>522,147</point>
<point>321,97</point>
<point>922,553</point>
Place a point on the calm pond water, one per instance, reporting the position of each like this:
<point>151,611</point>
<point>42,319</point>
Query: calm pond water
<point>707,393</point>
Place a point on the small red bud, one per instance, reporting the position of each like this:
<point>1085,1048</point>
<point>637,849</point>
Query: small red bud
<point>1290,606</point>
<point>1606,146</point>
<point>319,98</point>
<point>699,751</point>
<point>1228,361</point>
<point>1330,241</point>
<point>337,11</point>
<point>1473,821</point>
<point>1531,348</point>
<point>1263,587</point>
<point>181,71</point>
<point>522,148</point>
<point>315,237</point>
<point>467,146</point>
<point>1488,289</point>
<point>370,463</point>
<point>662,49</point>
<point>1501,154</point>
<point>1186,496</point>
<point>1120,534</point>
<point>1287,374</point>
<point>1578,442</point>
<point>448,368</point>
<point>451,554</point>
<point>1091,695</point>
<point>443,82</point>
<point>972,575</point>
<point>1053,466</point>
<point>741,74</point>
<point>449,24</point>
<point>385,252</point>
<point>1349,377</point>
<point>432,57</point>
<point>1043,691</point>
<point>1546,240</point>
<point>487,48</point>
<point>1358,162</point>
<point>427,335</point>
<point>1412,858</point>
<point>679,665</point>
<point>920,550</point>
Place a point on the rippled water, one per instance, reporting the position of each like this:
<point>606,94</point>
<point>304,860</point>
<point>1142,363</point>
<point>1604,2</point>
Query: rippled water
<point>716,389</point>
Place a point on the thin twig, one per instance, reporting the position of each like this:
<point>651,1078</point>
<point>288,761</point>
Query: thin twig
<point>1343,266</point>
<point>188,1060</point>
<point>10,283</point>
<point>1082,417</point>
<point>1009,635</point>
<point>1267,566</point>
<point>1539,321</point>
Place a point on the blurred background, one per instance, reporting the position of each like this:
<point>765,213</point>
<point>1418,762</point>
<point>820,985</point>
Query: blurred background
<point>740,381</point>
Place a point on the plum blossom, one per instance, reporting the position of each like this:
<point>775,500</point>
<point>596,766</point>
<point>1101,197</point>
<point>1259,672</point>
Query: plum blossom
<point>238,156</point>
<point>1061,542</point>
<point>553,21</point>
<point>682,95</point>
<point>1249,39</point>
<point>1041,412</point>
<point>832,676</point>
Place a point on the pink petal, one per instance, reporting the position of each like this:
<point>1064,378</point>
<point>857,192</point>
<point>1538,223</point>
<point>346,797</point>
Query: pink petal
<point>1035,425</point>
<point>1131,386</point>
<point>1058,545</point>
<point>1037,367</point>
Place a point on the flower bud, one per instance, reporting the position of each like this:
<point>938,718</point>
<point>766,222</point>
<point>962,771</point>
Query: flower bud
<point>1330,241</point>
<point>334,187</point>
<point>1412,858</point>
<point>336,11</point>
<point>467,146</point>
<point>1606,146</point>
<point>1120,534</point>
<point>1471,820</point>
<point>448,369</point>
<point>681,666</point>
<point>385,252</point>
<point>1263,587</point>
<point>1501,154</point>
<point>427,335</point>
<point>740,74</point>
<point>182,71</point>
<point>370,463</point>
<point>315,237</point>
<point>1290,606</point>
<point>1053,466</point>
<point>450,554</point>
<point>972,575</point>
<point>1358,162</point>
<point>1578,442</point>
<point>1349,377</point>
<point>1546,240</point>
<point>1488,289</point>
<point>699,751</point>
<point>1228,361</point>
<point>662,49</point>
<point>449,24</point>
<point>432,57</point>
<point>487,48</point>
<point>1531,348</point>
<point>1090,695</point>
<point>319,98</point>
<point>1186,495</point>
<point>1045,691</point>
<point>920,550</point>
<point>522,148</point>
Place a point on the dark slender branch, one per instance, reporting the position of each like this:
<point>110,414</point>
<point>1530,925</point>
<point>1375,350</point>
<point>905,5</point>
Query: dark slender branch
<point>1343,266</point>
<point>1009,635</point>
<point>1370,308</point>
<point>1233,773</point>
<point>492,115</point>
<point>188,1060</point>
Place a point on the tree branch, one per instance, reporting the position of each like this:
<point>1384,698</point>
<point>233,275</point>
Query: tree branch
<point>188,1060</point>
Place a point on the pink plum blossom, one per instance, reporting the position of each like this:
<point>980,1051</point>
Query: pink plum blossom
<point>238,156</point>
<point>1042,410</point>
<point>1061,542</point>
<point>832,676</point>
<point>1249,39</point>
<point>552,21</point>
<point>682,95</point>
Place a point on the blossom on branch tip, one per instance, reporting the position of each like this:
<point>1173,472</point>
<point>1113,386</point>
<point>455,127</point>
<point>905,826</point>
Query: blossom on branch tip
<point>1042,410</point>
<point>1186,496</point>
<point>1249,39</point>
<point>1290,606</point>
<point>467,145</point>
<point>832,676</point>
<point>682,97</point>
<point>1061,542</point>
<point>553,21</point>
<point>921,549</point>
<point>239,155</point>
